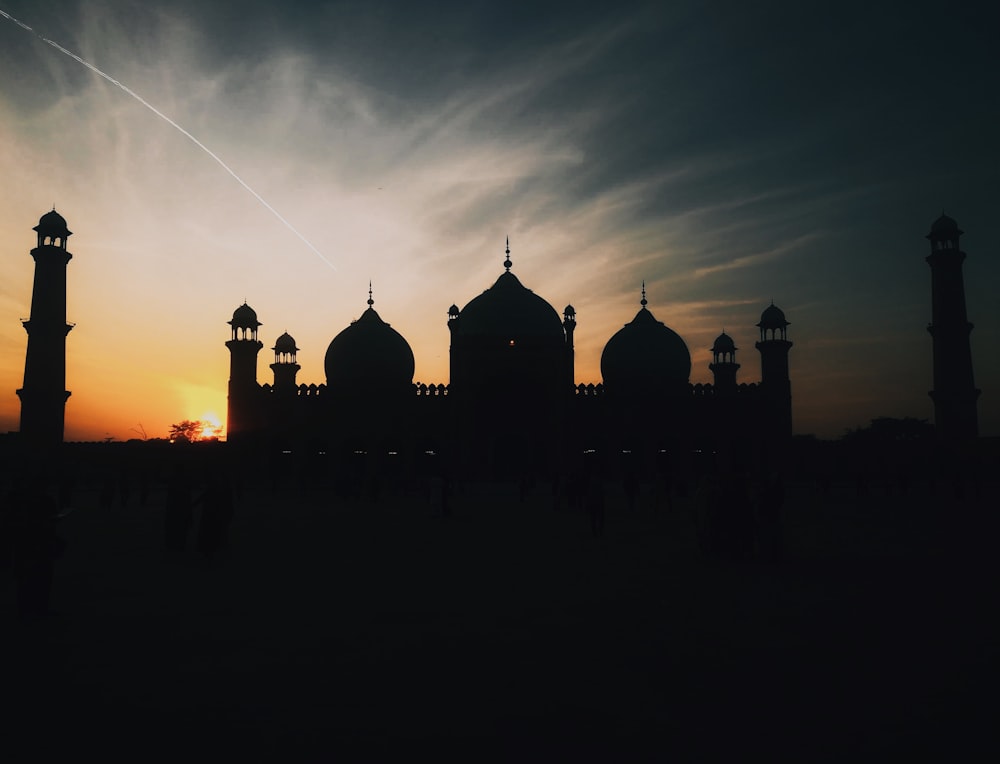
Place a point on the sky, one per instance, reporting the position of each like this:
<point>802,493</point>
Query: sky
<point>726,153</point>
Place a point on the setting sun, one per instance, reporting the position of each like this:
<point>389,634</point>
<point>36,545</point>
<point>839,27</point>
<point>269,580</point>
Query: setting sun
<point>211,426</point>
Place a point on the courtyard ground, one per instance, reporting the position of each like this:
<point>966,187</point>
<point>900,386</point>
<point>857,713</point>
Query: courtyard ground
<point>379,629</point>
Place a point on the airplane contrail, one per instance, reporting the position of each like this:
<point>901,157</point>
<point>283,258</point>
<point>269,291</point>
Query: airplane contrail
<point>167,119</point>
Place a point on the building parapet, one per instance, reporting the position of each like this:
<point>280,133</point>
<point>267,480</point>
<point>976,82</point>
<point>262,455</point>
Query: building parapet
<point>424,391</point>
<point>302,391</point>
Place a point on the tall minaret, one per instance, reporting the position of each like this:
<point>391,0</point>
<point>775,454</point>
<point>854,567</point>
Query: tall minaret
<point>775,383</point>
<point>243,416</point>
<point>43,395</point>
<point>569,326</point>
<point>954,392</point>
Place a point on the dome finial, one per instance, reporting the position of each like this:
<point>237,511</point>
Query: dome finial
<point>507,263</point>
<point>370,300</point>
<point>643,301</point>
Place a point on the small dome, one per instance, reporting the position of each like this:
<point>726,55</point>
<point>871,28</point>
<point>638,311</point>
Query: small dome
<point>569,311</point>
<point>724,344</point>
<point>772,318</point>
<point>285,344</point>
<point>52,219</point>
<point>52,224</point>
<point>944,224</point>
<point>645,355</point>
<point>369,354</point>
<point>508,310</point>
<point>944,228</point>
<point>244,317</point>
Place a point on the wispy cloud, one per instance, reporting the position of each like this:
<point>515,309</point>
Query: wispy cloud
<point>759,258</point>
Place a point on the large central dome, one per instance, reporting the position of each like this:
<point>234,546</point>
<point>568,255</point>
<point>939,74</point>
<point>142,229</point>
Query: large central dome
<point>369,354</point>
<point>510,311</point>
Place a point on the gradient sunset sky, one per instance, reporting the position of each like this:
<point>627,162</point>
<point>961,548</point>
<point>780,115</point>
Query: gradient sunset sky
<point>729,153</point>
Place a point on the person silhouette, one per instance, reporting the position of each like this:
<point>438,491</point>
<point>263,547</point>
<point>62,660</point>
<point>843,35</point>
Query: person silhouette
<point>707,501</point>
<point>630,482</point>
<point>665,476</point>
<point>216,514</point>
<point>770,498</point>
<point>737,513</point>
<point>7,515</point>
<point>179,510</point>
<point>596,505</point>
<point>35,546</point>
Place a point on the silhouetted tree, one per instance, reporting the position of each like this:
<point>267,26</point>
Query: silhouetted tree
<point>187,431</point>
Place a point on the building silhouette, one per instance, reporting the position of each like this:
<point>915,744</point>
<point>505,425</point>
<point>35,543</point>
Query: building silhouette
<point>43,394</point>
<point>954,392</point>
<point>512,408</point>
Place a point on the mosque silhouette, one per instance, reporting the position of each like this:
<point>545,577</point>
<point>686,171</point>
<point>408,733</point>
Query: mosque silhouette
<point>512,408</point>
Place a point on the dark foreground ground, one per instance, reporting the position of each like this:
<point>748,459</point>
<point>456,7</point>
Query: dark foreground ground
<point>381,630</point>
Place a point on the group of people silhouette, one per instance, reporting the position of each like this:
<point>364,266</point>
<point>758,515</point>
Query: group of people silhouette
<point>737,519</point>
<point>216,502</point>
<point>34,503</point>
